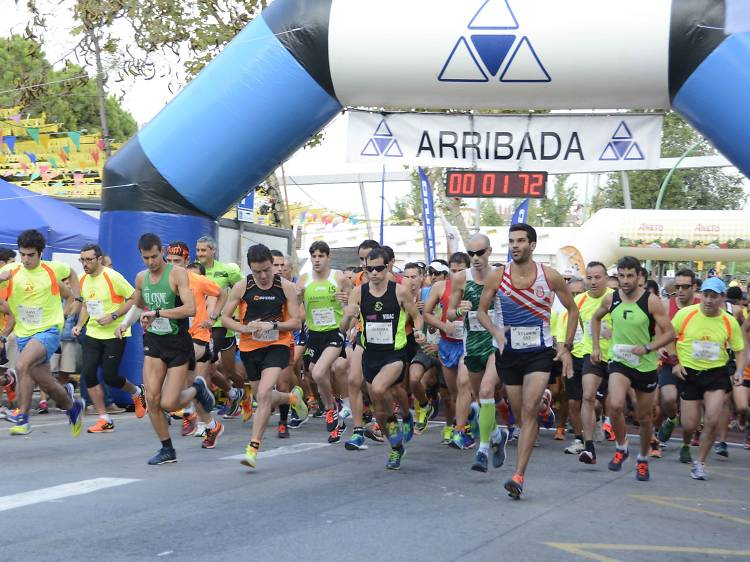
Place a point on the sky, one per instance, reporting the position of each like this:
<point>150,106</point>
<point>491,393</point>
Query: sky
<point>145,98</point>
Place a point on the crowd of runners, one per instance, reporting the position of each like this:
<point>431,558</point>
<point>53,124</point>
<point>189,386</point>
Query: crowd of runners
<point>496,350</point>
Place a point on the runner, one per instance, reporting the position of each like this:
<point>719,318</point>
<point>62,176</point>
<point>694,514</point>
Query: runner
<point>107,296</point>
<point>684,285</point>
<point>451,345</point>
<point>636,314</point>
<point>34,289</point>
<point>323,290</point>
<point>204,292</point>
<point>704,333</point>
<point>593,375</point>
<point>288,380</point>
<point>269,313</point>
<point>163,290</point>
<point>525,355</point>
<point>8,347</point>
<point>466,290</point>
<point>384,309</point>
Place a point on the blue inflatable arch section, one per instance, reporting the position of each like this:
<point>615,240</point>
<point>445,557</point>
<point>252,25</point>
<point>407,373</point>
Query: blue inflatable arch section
<point>291,70</point>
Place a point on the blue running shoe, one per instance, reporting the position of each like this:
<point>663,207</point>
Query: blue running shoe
<point>461,440</point>
<point>356,443</point>
<point>394,459</point>
<point>395,434</point>
<point>14,415</point>
<point>474,419</point>
<point>408,427</point>
<point>480,462</point>
<point>202,394</point>
<point>498,441</point>
<point>76,414</point>
<point>164,456</point>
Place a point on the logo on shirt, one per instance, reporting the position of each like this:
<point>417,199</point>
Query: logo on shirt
<point>378,306</point>
<point>264,298</point>
<point>28,287</point>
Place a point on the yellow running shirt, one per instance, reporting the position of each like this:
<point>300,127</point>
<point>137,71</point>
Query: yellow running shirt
<point>587,306</point>
<point>702,340</point>
<point>102,295</point>
<point>34,296</point>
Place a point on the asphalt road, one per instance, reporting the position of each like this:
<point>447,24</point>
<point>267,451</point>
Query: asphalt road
<point>94,498</point>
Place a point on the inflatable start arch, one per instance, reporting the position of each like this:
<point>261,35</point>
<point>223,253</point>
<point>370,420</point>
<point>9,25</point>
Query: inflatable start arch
<point>291,70</point>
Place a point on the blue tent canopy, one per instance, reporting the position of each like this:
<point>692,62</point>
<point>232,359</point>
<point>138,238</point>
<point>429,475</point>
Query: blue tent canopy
<point>66,228</point>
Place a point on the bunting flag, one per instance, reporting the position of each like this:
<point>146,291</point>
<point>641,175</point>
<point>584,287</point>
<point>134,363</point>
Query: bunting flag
<point>53,161</point>
<point>76,138</point>
<point>101,144</point>
<point>77,178</point>
<point>95,155</point>
<point>34,176</point>
<point>33,132</point>
<point>24,166</point>
<point>66,148</point>
<point>10,142</point>
<point>31,156</point>
<point>44,141</point>
<point>16,117</point>
<point>64,155</point>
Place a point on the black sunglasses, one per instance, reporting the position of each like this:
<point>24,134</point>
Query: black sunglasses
<point>378,268</point>
<point>684,287</point>
<point>478,253</point>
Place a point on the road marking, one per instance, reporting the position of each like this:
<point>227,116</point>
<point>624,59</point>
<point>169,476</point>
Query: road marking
<point>280,451</point>
<point>727,475</point>
<point>61,492</point>
<point>582,549</point>
<point>671,502</point>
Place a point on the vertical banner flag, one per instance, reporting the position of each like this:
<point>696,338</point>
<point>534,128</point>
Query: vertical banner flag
<point>382,204</point>
<point>428,215</point>
<point>246,208</point>
<point>519,217</point>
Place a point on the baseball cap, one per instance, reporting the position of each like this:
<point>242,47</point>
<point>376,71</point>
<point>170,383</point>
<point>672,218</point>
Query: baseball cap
<point>714,284</point>
<point>439,267</point>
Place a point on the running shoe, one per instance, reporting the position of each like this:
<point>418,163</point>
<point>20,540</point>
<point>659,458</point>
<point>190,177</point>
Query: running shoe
<point>461,440</point>
<point>202,394</point>
<point>42,407</point>
<point>641,471</point>
<point>696,440</point>
<point>200,430</point>
<point>189,424</point>
<point>480,461</point>
<point>335,435</point>
<point>447,434</point>
<point>234,407</point>
<point>247,408</point>
<point>20,429</point>
<point>251,454</point>
<point>320,410</point>
<point>620,457</point>
<point>395,433</point>
<point>408,427</point>
<point>685,456</point>
<point>101,426</point>
<point>424,415</point>
<point>374,433</point>
<point>356,443</point>
<point>599,431</point>
<point>546,414</point>
<point>575,448</point>
<point>514,486</point>
<point>559,434</point>
<point>666,429</point>
<point>332,419</point>
<point>163,456</point>
<point>139,401</point>
<point>212,435</point>
<point>296,421</point>
<point>721,449</point>
<point>698,472</point>
<point>10,388</point>
<point>498,441</point>
<point>609,433</point>
<point>283,431</point>
<point>222,409</point>
<point>513,433</point>
<point>394,459</point>
<point>75,414</point>
<point>300,408</point>
<point>587,457</point>
<point>367,414</point>
<point>435,405</point>
<point>655,449</point>
<point>12,416</point>
<point>474,419</point>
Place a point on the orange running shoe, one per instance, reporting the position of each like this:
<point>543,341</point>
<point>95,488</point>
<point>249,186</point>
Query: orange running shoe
<point>102,426</point>
<point>212,435</point>
<point>560,434</point>
<point>609,433</point>
<point>247,407</point>
<point>514,486</point>
<point>10,388</point>
<point>139,401</point>
<point>189,424</point>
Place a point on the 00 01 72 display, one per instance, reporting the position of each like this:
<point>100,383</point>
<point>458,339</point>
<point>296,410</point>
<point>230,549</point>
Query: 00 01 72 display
<point>467,183</point>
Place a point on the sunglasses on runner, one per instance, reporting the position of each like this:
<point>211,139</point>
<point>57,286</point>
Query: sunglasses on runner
<point>478,253</point>
<point>683,287</point>
<point>378,268</point>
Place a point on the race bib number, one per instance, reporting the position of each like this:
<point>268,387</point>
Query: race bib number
<point>432,336</point>
<point>603,328</point>
<point>458,330</point>
<point>30,315</point>
<point>95,309</point>
<point>323,316</point>
<point>525,337</point>
<point>622,352</point>
<point>474,324</point>
<point>707,350</point>
<point>161,326</point>
<point>379,333</point>
<point>269,335</point>
<point>578,337</point>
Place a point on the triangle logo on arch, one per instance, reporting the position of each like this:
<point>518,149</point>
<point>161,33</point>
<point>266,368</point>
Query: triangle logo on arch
<point>622,146</point>
<point>493,49</point>
<point>382,143</point>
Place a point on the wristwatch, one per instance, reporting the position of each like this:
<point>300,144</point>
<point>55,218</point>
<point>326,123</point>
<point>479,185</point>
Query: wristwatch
<point>114,316</point>
<point>157,314</point>
<point>647,347</point>
<point>79,299</point>
<point>274,325</point>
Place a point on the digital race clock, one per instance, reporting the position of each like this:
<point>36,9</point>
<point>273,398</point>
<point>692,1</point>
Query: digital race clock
<point>467,183</point>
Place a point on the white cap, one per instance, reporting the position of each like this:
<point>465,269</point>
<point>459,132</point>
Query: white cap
<point>439,266</point>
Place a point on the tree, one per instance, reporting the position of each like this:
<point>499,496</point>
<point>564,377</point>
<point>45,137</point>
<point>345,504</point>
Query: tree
<point>489,216</point>
<point>67,96</point>
<point>700,188</point>
<point>556,209</point>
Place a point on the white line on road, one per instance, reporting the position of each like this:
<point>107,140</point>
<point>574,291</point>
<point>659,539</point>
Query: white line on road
<point>60,492</point>
<point>289,450</point>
